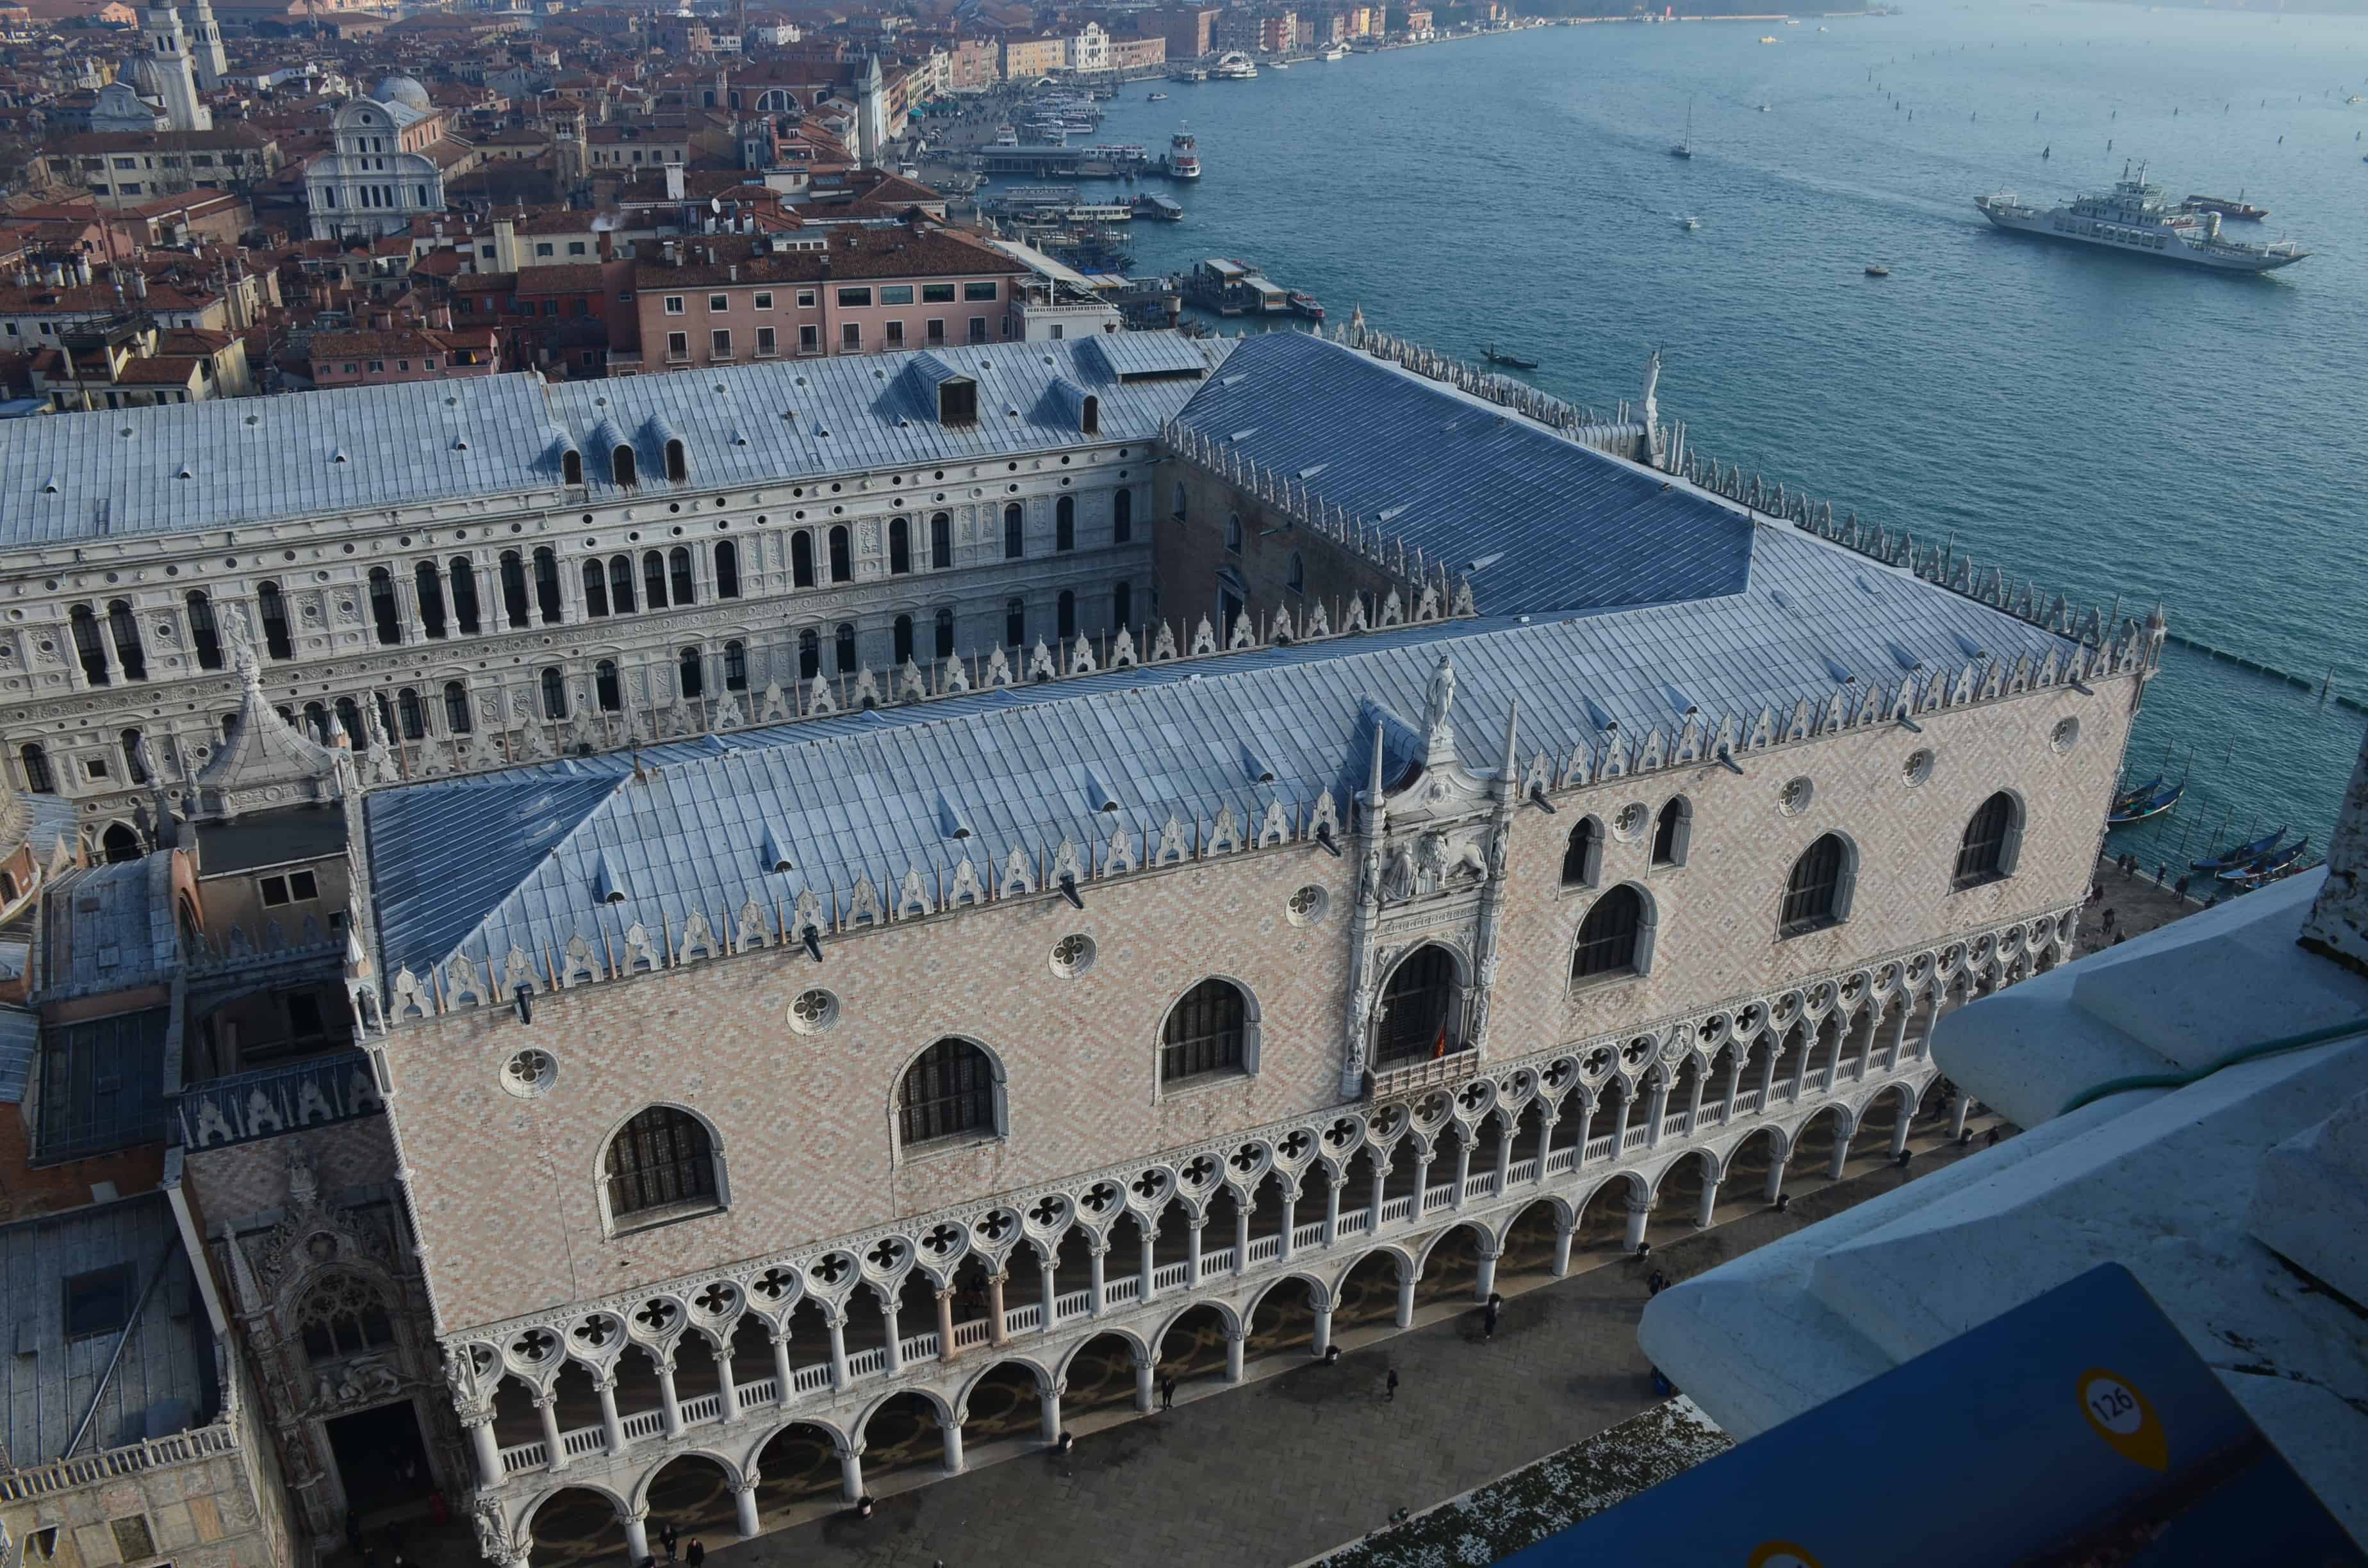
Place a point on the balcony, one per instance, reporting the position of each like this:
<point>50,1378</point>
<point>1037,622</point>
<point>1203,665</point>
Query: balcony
<point>1453,1067</point>
<point>272,1100</point>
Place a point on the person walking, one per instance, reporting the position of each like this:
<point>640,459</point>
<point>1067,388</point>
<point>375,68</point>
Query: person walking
<point>1391,1393</point>
<point>1167,1393</point>
<point>1656,1282</point>
<point>669,1539</point>
<point>1488,1316</point>
<point>695,1555</point>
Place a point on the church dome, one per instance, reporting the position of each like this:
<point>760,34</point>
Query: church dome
<point>403,90</point>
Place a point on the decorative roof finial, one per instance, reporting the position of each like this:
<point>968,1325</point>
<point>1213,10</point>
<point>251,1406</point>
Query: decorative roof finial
<point>1439,708</point>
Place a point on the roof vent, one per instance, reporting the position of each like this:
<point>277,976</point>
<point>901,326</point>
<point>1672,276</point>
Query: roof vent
<point>460,444</point>
<point>1680,702</point>
<point>1243,435</point>
<point>49,487</point>
<point>1098,794</point>
<point>1310,472</point>
<point>1260,770</point>
<point>776,851</point>
<point>339,456</point>
<point>950,822</point>
<point>184,472</point>
<point>607,885</point>
<point>1601,715</point>
<point>1973,648</point>
<point>1903,658</point>
<point>1840,671</point>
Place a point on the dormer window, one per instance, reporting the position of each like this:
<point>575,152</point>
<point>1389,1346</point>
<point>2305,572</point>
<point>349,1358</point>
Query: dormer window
<point>1089,415</point>
<point>620,465</point>
<point>958,401</point>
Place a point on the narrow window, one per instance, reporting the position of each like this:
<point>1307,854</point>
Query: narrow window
<point>430,587</point>
<point>274,611</point>
<point>679,576</point>
<point>802,571</point>
<point>844,649</point>
<point>941,540</point>
<point>554,693</point>
<point>904,639</point>
<point>1122,517</point>
<point>945,634</point>
<point>621,466</point>
<point>1014,532</point>
<point>1090,414</point>
<point>350,717</point>
<point>678,462</point>
<point>1578,860</point>
<point>735,666</point>
<point>125,629</point>
<point>88,649</point>
<point>1234,532</point>
<point>546,587</point>
<point>464,597</point>
<point>1671,831</point>
<point>1065,523</point>
<point>1069,615</point>
<point>514,601</point>
<point>809,655</point>
<point>694,672</point>
<point>1983,854</point>
<point>1295,574</point>
<point>1123,604</point>
<point>1421,1007</point>
<point>727,570</point>
<point>456,707</point>
<point>1180,501</point>
<point>135,770</point>
<point>1015,622</point>
<point>571,466</point>
<point>620,584</point>
<point>38,779</point>
<point>653,580</point>
<point>414,716</point>
<point>203,636</point>
<point>604,680</point>
<point>900,547</point>
<point>316,723</point>
<point>385,615</point>
<point>842,561</point>
<point>595,590</point>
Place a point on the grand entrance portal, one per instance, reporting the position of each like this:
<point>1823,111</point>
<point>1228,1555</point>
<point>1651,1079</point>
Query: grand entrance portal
<point>382,1461</point>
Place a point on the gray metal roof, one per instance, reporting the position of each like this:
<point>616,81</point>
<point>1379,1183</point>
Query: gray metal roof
<point>165,1382</point>
<point>251,460</point>
<point>1538,521</point>
<point>102,1086</point>
<point>21,1032</point>
<point>108,927</point>
<point>536,856</point>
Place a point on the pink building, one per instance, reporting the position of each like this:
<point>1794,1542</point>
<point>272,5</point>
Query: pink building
<point>404,354</point>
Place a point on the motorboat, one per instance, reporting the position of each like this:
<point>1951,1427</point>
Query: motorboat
<point>1507,360</point>
<point>1876,269</point>
<point>1156,98</point>
<point>1689,222</point>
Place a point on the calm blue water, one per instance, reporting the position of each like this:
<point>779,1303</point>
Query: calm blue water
<point>2108,425</point>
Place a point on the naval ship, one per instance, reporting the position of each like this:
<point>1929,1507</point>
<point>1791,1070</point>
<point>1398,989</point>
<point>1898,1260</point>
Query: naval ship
<point>2137,216</point>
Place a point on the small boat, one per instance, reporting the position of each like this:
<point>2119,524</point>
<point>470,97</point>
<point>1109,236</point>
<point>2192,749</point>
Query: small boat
<point>1305,305</point>
<point>1771,39</point>
<point>2267,866</point>
<point>1507,360</point>
<point>1763,108</point>
<point>1687,222</point>
<point>1876,269</point>
<point>1156,98</point>
<point>1282,66</point>
<point>2158,798</point>
<point>2227,208</point>
<point>2243,854</point>
<point>1685,149</point>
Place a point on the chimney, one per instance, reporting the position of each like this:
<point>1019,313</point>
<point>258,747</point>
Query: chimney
<point>735,272</point>
<point>82,267</point>
<point>674,182</point>
<point>139,284</point>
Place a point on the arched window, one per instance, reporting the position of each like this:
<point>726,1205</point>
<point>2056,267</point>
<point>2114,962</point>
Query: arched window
<point>653,580</point>
<point>843,648</point>
<point>1234,532</point>
<point>679,576</point>
<point>514,604</point>
<point>620,465</point>
<point>1015,533</point>
<point>605,688</point>
<point>349,717</point>
<point>125,629</point>
<point>727,570</point>
<point>842,559</point>
<point>1422,1010</point>
<point>1207,1031</point>
<point>1015,622</point>
<point>274,611</point>
<point>1608,937</point>
<point>694,672</point>
<point>1671,830</point>
<point>414,716</point>
<point>1065,523</point>
<point>137,770</point>
<point>1180,501</point>
<point>464,597</point>
<point>203,637</point>
<point>1584,855</point>
<point>554,693</point>
<point>386,616</point>
<point>38,779</point>
<point>677,461</point>
<point>1987,851</point>
<point>1067,611</point>
<point>735,666</point>
<point>661,1164</point>
<point>1123,604</point>
<point>429,585</point>
<point>1294,577</point>
<point>802,574</point>
<point>456,707</point>
<point>947,1092</point>
<point>620,584</point>
<point>119,844</point>
<point>900,546</point>
<point>595,590</point>
<point>941,540</point>
<point>809,655</point>
<point>1817,893</point>
<point>945,634</point>
<point>1089,415</point>
<point>1122,517</point>
<point>904,639</point>
<point>571,467</point>
<point>342,1317</point>
<point>317,724</point>
<point>546,586</point>
<point>88,649</point>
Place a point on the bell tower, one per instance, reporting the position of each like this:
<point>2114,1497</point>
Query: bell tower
<point>177,81</point>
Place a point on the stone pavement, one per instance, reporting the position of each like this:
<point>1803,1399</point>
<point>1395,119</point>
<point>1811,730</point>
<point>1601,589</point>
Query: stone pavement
<point>1285,1467</point>
<point>2138,903</point>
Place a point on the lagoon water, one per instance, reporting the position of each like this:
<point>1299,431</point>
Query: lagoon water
<point>2108,426</point>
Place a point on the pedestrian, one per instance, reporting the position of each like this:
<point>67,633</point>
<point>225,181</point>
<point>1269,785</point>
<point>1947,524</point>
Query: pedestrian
<point>1905,1155</point>
<point>1488,1318</point>
<point>1656,1282</point>
<point>1990,1140</point>
<point>1167,1393</point>
<point>2162,874</point>
<point>1783,1201</point>
<point>1644,1251</point>
<point>2109,918</point>
<point>695,1555</point>
<point>1392,1396</point>
<point>669,1539</point>
<point>2180,886</point>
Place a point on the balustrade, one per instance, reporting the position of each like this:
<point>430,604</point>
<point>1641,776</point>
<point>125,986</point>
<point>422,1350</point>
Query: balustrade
<point>1308,1236</point>
<point>806,1379</point>
<point>978,1332</point>
<point>583,1440</point>
<point>1024,1320</point>
<point>1677,1124</point>
<point>1116,1291</point>
<point>1072,1304</point>
<point>706,1408</point>
<point>1170,1276</point>
<point>650,1422</point>
<point>1634,1138</point>
<point>1747,1101</point>
<point>763,1390</point>
<point>1218,1262</point>
<point>1438,1196</point>
<point>864,1363</point>
<point>1524,1171</point>
<point>1266,1249</point>
<point>1599,1148</point>
<point>1399,1208</point>
<point>525,1456</point>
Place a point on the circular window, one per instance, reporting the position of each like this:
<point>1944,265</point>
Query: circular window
<point>1794,798</point>
<point>2065,735</point>
<point>1307,905</point>
<point>529,1073</point>
<point>814,1011</point>
<point>1072,955</point>
<point>1631,820</point>
<point>1916,768</point>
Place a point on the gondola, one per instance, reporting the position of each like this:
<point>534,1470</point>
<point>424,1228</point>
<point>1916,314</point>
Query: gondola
<point>2244,854</point>
<point>2268,866</point>
<point>2129,797</point>
<point>1508,361</point>
<point>2158,798</point>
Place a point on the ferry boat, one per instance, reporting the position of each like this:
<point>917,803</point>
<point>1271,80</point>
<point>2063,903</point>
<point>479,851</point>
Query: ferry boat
<point>2237,207</point>
<point>1159,209</point>
<point>1183,161</point>
<point>1333,53</point>
<point>1007,136</point>
<point>1233,67</point>
<point>2137,217</point>
<point>1306,305</point>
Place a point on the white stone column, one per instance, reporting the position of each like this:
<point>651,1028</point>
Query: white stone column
<point>1486,1285</point>
<point>1048,1399</point>
<point>1097,1250</point>
<point>1332,1183</point>
<point>1146,1259</point>
<point>1709,1202</point>
<point>1547,1120</point>
<point>1776,1178</point>
<point>489,1453</point>
<point>785,1380</point>
<point>998,1334</point>
<point>727,1401</point>
<point>1234,1338</point>
<point>1734,1085</point>
<point>1380,1188</point>
<point>744,1502</point>
<point>1620,1126</point>
<point>1048,1290</point>
<point>1562,1236</point>
<point>1767,1071</point>
<point>1801,1068</point>
<point>1907,1006</point>
<point>1656,1110</point>
<point>1505,1129</point>
<point>836,1324</point>
<point>895,1351</point>
<point>1866,1046</point>
<point>1638,1212</point>
<point>1960,1107</point>
<point>637,1535</point>
<point>1289,1218</point>
<point>546,1405</point>
<point>667,1402</point>
<point>946,1351</point>
<point>1463,1169</point>
<point>1899,1127</point>
<point>1323,1340</point>
<point>1841,1155</point>
<point>1241,1237</point>
<point>950,1429</point>
<point>1405,1318</point>
<point>1693,1106</point>
<point>1143,1390</point>
<point>611,1425</point>
<point>1585,1121</point>
<point>1421,1204</point>
<point>850,1471</point>
<point>1193,1225</point>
